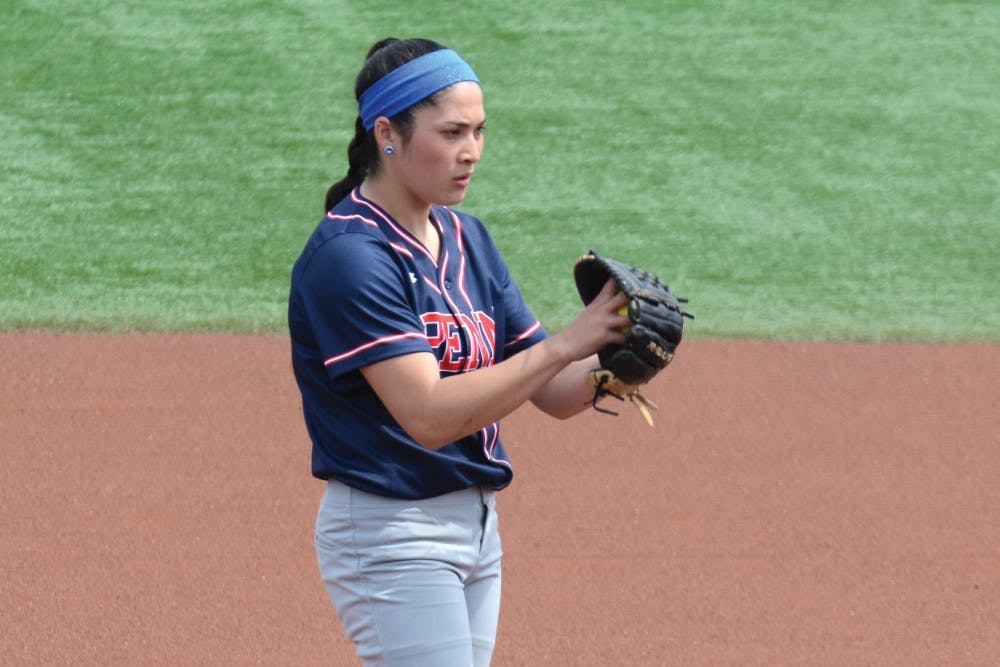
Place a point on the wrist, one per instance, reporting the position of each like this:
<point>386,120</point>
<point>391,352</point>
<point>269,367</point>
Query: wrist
<point>560,349</point>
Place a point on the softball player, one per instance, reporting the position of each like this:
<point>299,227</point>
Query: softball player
<point>410,340</point>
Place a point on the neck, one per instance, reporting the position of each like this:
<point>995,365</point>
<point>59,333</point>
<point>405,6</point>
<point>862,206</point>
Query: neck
<point>414,216</point>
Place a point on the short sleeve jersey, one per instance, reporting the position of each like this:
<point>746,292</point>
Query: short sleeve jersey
<point>364,290</point>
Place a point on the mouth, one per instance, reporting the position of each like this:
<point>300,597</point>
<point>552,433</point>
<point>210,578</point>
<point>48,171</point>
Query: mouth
<point>463,181</point>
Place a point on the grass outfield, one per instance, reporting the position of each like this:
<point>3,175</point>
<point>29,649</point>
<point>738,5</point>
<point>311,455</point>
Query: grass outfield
<point>821,170</point>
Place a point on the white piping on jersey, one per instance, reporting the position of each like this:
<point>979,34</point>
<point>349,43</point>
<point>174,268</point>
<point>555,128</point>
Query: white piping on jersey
<point>469,340</point>
<point>373,343</point>
<point>461,256</point>
<point>430,283</point>
<point>466,321</point>
<point>401,249</point>
<point>490,444</point>
<point>488,354</point>
<point>527,333</point>
<point>403,233</point>
<point>367,221</point>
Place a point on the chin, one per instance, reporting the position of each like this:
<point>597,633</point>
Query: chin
<point>452,199</point>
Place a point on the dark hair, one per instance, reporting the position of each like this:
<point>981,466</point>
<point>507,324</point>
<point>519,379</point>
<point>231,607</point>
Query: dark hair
<point>363,158</point>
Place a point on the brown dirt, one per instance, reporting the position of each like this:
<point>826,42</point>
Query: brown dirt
<point>795,504</point>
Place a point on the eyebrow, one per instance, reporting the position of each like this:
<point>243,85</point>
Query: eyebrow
<point>461,123</point>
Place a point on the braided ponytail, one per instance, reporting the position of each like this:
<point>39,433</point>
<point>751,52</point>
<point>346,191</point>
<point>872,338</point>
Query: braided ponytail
<point>361,153</point>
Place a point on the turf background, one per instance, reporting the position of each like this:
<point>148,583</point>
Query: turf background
<point>823,170</point>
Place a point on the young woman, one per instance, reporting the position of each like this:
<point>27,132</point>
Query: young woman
<point>410,341</point>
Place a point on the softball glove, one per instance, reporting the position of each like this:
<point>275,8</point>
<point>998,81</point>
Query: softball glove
<point>657,326</point>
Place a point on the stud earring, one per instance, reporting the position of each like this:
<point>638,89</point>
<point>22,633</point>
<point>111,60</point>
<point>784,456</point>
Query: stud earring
<point>389,150</point>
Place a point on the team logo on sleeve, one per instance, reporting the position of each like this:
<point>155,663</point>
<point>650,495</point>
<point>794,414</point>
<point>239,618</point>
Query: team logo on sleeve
<point>461,342</point>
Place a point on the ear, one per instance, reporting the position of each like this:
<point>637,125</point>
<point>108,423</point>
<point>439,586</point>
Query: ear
<point>385,134</point>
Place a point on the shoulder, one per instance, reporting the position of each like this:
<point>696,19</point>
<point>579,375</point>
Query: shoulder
<point>348,225</point>
<point>344,244</point>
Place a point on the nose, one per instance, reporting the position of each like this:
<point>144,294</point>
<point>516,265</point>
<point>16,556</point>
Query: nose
<point>472,150</point>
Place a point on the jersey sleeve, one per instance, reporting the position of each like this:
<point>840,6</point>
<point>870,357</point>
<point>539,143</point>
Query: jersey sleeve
<point>523,329</point>
<point>355,299</point>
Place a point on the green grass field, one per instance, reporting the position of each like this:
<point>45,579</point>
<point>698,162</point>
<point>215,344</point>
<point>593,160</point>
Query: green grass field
<point>818,170</point>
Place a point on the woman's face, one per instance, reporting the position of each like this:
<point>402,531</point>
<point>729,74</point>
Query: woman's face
<point>438,159</point>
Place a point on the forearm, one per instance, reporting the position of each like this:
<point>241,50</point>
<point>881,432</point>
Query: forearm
<point>436,411</point>
<point>567,394</point>
<point>477,399</point>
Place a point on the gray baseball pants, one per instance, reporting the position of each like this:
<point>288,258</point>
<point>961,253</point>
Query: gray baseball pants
<point>415,582</point>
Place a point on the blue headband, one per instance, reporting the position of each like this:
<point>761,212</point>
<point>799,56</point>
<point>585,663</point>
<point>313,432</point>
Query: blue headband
<point>416,80</point>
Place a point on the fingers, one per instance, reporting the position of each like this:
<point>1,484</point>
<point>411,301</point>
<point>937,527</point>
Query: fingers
<point>610,295</point>
<point>615,337</point>
<point>603,322</point>
<point>610,300</point>
<point>609,290</point>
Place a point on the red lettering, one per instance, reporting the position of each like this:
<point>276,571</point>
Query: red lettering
<point>488,329</point>
<point>444,334</point>
<point>434,328</point>
<point>452,360</point>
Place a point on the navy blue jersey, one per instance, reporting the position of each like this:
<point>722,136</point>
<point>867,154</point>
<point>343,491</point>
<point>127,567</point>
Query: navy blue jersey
<point>363,290</point>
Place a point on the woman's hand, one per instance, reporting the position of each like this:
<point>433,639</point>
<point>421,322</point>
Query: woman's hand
<point>598,325</point>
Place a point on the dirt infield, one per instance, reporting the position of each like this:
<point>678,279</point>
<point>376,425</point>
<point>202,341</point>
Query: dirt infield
<point>795,504</point>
